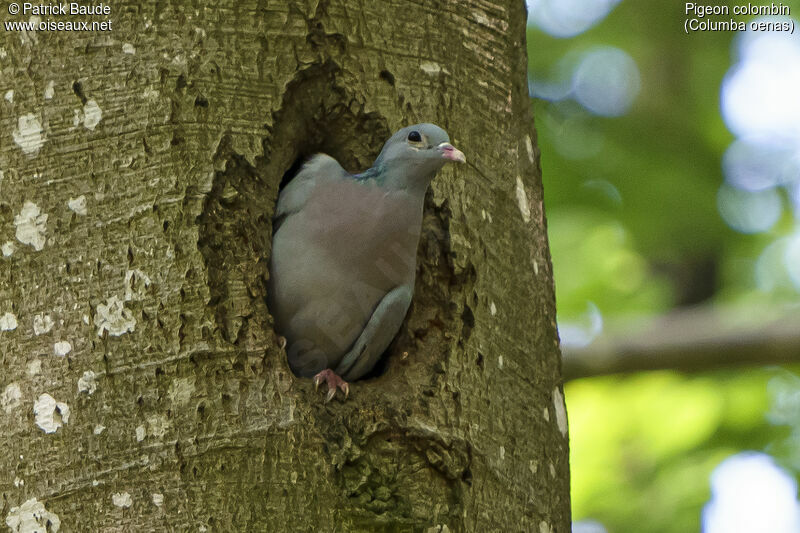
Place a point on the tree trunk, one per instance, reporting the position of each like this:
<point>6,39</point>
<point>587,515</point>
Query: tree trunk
<point>143,387</point>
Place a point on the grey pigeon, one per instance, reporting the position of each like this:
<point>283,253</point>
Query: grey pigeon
<point>344,255</point>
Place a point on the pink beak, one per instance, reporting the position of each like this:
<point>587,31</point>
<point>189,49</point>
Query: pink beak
<point>452,153</point>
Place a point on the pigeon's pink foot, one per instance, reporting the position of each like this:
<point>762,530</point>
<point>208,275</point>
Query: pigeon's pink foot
<point>333,381</point>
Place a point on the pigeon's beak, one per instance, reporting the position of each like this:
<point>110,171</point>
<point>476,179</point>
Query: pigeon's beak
<point>452,153</point>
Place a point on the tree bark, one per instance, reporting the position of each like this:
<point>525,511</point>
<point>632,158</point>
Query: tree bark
<point>143,387</point>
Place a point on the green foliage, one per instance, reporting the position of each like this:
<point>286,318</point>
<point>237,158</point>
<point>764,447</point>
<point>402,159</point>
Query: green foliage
<point>642,447</point>
<point>653,172</point>
<point>600,264</point>
<point>632,211</point>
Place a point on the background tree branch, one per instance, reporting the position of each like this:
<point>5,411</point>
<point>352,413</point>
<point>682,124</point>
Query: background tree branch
<point>691,340</point>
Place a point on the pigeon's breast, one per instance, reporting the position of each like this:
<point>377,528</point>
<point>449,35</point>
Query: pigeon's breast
<point>367,230</point>
<point>351,244</point>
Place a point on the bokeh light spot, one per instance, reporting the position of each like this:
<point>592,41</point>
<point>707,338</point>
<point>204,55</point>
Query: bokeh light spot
<point>749,212</point>
<point>567,18</point>
<point>588,526</point>
<point>606,81</point>
<point>753,166</point>
<point>759,94</point>
<point>749,492</point>
<point>792,260</point>
<point>770,269</point>
<point>581,332</point>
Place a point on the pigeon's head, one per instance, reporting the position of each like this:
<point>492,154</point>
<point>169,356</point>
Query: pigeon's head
<point>413,155</point>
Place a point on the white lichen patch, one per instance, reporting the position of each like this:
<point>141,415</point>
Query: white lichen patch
<point>114,318</point>
<point>141,433</point>
<point>91,114</point>
<point>544,527</point>
<point>158,499</point>
<point>31,226</point>
<point>481,19</point>
<point>49,90</point>
<point>546,414</point>
<point>28,36</point>
<point>42,324</point>
<point>181,390</point>
<point>522,201</point>
<point>99,428</point>
<point>136,283</point>
<point>19,482</point>
<point>62,348</point>
<point>9,96</point>
<point>8,248</point>
<point>34,367</point>
<point>12,396</point>
<point>32,517</point>
<point>78,205</point>
<point>28,134</point>
<point>560,410</point>
<point>87,383</point>
<point>122,499</point>
<point>287,412</point>
<point>50,414</point>
<point>500,362</point>
<point>492,308</point>
<point>8,322</point>
<point>529,147</point>
<point>128,48</point>
<point>430,68</point>
<point>502,453</point>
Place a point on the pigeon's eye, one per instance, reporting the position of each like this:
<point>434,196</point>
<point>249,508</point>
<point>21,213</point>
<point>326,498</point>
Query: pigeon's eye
<point>415,137</point>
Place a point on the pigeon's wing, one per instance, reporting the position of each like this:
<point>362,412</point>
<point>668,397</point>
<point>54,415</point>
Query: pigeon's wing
<point>381,328</point>
<point>296,193</point>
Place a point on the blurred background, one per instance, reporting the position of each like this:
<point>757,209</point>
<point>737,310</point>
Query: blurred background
<point>671,164</point>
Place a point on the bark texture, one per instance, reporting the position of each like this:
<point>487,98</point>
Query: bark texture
<point>142,385</point>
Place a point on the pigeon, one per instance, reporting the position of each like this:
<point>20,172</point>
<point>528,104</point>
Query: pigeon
<point>344,251</point>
